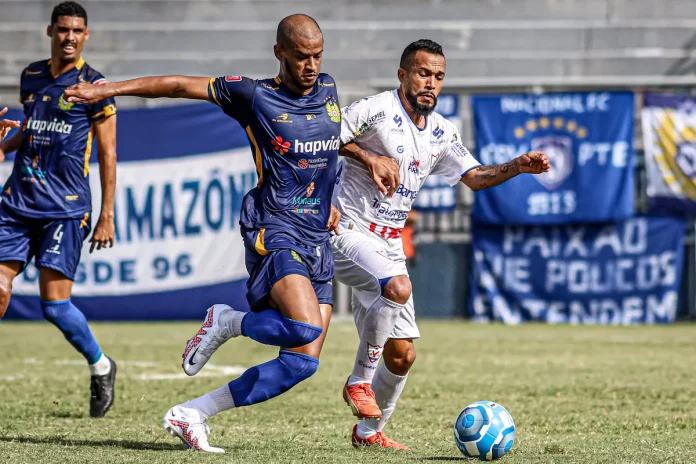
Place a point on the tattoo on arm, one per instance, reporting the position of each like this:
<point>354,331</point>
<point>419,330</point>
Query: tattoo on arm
<point>489,176</point>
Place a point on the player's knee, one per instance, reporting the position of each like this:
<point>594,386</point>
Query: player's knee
<point>299,366</point>
<point>300,333</point>
<point>402,359</point>
<point>398,289</point>
<point>5,293</point>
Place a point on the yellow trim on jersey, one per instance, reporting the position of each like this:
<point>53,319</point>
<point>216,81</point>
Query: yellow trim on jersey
<point>80,63</point>
<point>212,91</point>
<point>277,79</point>
<point>257,155</point>
<point>109,110</point>
<point>84,221</point>
<point>88,148</point>
<point>259,246</point>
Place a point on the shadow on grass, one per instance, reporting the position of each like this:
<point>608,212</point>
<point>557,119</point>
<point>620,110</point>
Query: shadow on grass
<point>446,458</point>
<point>63,441</point>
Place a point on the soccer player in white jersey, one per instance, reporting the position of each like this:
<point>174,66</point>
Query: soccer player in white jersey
<point>368,252</point>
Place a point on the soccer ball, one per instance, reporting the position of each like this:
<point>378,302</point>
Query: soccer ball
<point>484,430</point>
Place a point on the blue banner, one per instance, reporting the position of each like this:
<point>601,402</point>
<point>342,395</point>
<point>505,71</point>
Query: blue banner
<point>589,140</point>
<point>436,194</point>
<point>669,135</point>
<point>623,273</point>
<point>182,173</point>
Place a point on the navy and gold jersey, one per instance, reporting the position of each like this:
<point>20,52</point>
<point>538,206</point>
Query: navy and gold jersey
<point>295,140</point>
<point>50,174</point>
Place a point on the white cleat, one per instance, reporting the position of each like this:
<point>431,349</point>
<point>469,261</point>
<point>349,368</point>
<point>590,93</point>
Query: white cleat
<point>186,425</point>
<point>211,335</point>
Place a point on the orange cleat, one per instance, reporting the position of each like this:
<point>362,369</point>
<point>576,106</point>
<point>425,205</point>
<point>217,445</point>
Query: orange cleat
<point>378,439</point>
<point>361,400</point>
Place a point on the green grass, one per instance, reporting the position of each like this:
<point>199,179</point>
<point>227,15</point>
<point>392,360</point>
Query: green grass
<point>578,395</point>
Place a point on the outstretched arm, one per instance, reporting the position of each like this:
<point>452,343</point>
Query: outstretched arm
<point>384,170</point>
<point>195,88</point>
<point>485,177</point>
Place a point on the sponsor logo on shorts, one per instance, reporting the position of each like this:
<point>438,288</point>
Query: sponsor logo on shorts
<point>230,78</point>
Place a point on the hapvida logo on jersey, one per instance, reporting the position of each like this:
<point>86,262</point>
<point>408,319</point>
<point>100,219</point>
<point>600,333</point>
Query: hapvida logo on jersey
<point>40,125</point>
<point>315,146</point>
<point>406,192</point>
<point>384,211</point>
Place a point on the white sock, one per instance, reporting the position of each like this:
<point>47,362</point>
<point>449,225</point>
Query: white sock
<point>233,321</point>
<point>101,367</point>
<point>378,325</point>
<point>212,403</point>
<point>387,388</point>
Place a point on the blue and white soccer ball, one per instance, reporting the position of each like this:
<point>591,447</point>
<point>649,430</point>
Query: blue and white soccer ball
<point>484,430</point>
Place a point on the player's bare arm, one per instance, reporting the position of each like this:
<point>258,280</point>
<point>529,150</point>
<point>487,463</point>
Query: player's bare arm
<point>195,88</point>
<point>384,170</point>
<point>485,177</point>
<point>334,218</point>
<point>103,235</point>
<point>6,125</point>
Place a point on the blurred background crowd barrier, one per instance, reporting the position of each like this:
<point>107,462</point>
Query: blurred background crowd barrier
<point>602,86</point>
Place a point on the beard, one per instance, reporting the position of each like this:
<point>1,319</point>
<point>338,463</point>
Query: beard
<point>420,109</point>
<point>296,80</point>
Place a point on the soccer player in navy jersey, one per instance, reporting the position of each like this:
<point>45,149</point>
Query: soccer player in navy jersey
<point>46,206</point>
<point>293,123</point>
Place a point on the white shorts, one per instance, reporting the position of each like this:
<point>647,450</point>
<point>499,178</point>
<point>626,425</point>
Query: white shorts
<point>361,262</point>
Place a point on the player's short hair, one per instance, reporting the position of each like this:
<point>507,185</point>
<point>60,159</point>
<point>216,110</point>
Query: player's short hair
<point>426,45</point>
<point>68,9</point>
<point>288,28</point>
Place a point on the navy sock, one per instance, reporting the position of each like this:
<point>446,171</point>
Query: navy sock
<point>70,320</point>
<point>268,380</point>
<point>270,328</point>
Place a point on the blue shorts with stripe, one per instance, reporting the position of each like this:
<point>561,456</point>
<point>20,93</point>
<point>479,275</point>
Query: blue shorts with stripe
<point>54,243</point>
<point>272,254</point>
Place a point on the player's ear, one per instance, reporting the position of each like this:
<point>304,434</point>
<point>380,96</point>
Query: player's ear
<point>278,52</point>
<point>86,33</point>
<point>49,30</point>
<point>401,73</point>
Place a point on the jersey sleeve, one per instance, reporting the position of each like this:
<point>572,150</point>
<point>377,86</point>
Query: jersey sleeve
<point>455,161</point>
<point>23,93</point>
<point>361,119</point>
<point>234,94</point>
<point>104,108</point>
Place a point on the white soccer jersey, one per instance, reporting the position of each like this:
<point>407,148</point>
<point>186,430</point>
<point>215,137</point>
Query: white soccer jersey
<point>381,126</point>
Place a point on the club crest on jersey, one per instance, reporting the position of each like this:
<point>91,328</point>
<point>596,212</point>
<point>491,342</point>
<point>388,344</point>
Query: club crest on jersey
<point>64,105</point>
<point>414,166</point>
<point>333,110</point>
<point>229,78</point>
<point>279,145</point>
<point>374,352</point>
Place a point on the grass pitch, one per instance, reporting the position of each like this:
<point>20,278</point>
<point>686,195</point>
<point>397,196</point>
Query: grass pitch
<point>577,394</point>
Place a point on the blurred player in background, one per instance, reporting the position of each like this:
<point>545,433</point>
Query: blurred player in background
<point>46,203</point>
<point>6,125</point>
<point>368,253</point>
<point>293,122</point>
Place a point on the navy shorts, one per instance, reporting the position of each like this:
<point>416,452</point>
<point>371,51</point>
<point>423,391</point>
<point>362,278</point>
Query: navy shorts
<point>53,243</point>
<point>271,255</point>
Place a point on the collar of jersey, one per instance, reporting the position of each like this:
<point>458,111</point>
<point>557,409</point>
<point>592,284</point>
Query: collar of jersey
<point>286,90</point>
<point>78,67</point>
<point>403,110</point>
